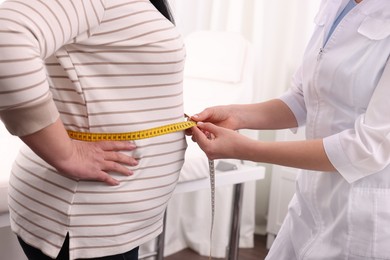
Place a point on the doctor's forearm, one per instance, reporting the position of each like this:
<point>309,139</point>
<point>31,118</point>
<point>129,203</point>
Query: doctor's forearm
<point>308,154</point>
<point>272,114</point>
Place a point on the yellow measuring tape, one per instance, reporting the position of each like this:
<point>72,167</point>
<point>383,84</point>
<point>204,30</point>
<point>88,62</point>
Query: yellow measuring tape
<point>129,136</point>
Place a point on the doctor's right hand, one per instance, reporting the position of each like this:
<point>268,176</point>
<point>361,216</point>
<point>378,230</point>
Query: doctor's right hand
<point>223,116</point>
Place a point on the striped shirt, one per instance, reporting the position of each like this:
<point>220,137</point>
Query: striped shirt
<point>102,66</point>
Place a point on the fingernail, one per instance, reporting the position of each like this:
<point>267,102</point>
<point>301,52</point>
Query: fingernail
<point>199,123</point>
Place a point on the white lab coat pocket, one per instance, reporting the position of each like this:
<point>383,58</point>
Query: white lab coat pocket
<point>369,223</point>
<point>375,28</point>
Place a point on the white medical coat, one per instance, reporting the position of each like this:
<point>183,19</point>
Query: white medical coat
<point>342,94</point>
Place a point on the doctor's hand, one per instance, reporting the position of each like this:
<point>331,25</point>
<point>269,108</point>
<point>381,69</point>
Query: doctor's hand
<point>223,116</point>
<point>218,142</point>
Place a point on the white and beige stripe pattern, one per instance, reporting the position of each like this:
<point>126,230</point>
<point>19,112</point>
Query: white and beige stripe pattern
<point>103,66</point>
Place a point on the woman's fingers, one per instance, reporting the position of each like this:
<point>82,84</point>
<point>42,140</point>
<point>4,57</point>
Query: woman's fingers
<point>105,177</point>
<point>114,160</point>
<point>116,145</point>
<point>96,160</point>
<point>120,158</point>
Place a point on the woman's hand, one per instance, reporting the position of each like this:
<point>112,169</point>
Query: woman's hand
<point>81,160</point>
<point>94,161</point>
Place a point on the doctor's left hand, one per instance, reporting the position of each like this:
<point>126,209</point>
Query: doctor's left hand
<point>218,142</point>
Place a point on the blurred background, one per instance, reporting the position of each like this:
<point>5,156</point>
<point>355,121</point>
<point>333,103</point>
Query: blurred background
<point>278,31</point>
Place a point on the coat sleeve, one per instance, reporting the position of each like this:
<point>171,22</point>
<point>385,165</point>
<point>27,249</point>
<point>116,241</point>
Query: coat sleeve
<point>365,149</point>
<point>294,98</point>
<point>30,32</point>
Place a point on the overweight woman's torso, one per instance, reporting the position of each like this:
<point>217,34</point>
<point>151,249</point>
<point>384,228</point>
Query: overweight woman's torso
<point>125,77</point>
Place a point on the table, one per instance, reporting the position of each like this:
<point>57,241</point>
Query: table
<point>243,173</point>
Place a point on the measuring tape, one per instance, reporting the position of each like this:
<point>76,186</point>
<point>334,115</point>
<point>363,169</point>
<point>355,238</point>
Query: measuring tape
<point>130,136</point>
<point>148,133</point>
<point>212,186</point>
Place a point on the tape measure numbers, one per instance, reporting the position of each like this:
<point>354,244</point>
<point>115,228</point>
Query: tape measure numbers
<point>130,136</point>
<point>212,186</point>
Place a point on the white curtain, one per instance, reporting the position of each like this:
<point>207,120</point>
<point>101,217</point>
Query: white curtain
<point>278,29</point>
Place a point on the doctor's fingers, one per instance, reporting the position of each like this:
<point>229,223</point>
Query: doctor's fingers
<point>198,134</point>
<point>202,116</point>
<point>222,116</point>
<point>208,141</point>
<point>188,132</point>
<point>214,114</point>
<point>208,128</point>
